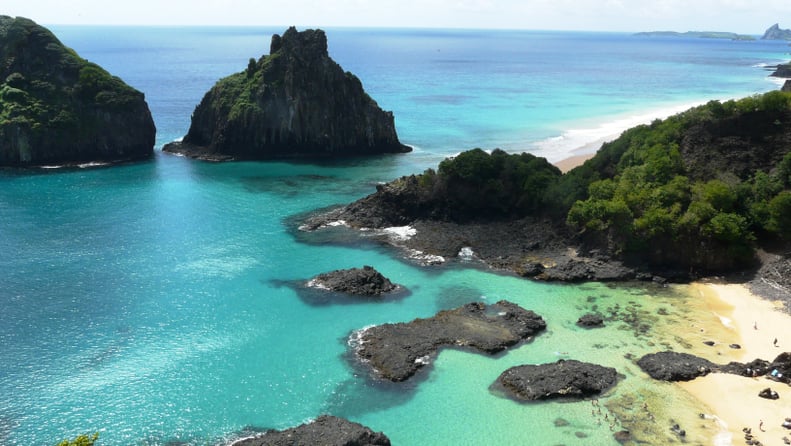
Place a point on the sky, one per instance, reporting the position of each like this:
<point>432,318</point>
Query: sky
<point>741,16</point>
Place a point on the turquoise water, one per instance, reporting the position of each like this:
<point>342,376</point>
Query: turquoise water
<point>159,302</point>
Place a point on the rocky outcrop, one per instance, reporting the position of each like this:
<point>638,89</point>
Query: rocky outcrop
<point>295,102</point>
<point>397,351</point>
<point>325,430</point>
<point>782,70</point>
<point>365,281</point>
<point>786,86</point>
<point>563,379</point>
<point>775,33</point>
<point>674,366</point>
<point>58,108</point>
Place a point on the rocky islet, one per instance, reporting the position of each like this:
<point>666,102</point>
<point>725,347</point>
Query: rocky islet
<point>295,102</point>
<point>57,108</point>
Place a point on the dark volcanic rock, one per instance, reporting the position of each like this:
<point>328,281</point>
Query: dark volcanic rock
<point>787,86</point>
<point>58,108</point>
<point>295,102</point>
<point>398,351</point>
<point>769,394</point>
<point>673,366</point>
<point>591,320</point>
<point>365,281</point>
<point>326,430</point>
<point>563,379</point>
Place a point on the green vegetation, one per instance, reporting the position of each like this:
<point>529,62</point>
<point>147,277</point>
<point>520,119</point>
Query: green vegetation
<point>81,440</point>
<point>476,184</point>
<point>642,196</point>
<point>45,86</point>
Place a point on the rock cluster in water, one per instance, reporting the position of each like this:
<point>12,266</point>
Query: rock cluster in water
<point>562,379</point>
<point>295,102</point>
<point>325,430</point>
<point>58,108</point>
<point>397,351</point>
<point>365,281</point>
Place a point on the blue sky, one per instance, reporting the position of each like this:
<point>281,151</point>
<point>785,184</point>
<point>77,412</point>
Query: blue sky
<point>743,16</point>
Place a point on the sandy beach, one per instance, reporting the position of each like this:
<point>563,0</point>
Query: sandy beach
<point>573,161</point>
<point>754,323</point>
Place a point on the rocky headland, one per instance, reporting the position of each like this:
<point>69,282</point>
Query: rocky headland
<point>365,281</point>
<point>57,108</point>
<point>325,430</point>
<point>782,70</point>
<point>566,379</point>
<point>395,352</point>
<point>295,102</point>
<point>700,193</point>
<point>774,32</point>
<point>786,86</point>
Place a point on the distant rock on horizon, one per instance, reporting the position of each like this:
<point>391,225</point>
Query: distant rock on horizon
<point>295,102</point>
<point>775,33</point>
<point>58,108</point>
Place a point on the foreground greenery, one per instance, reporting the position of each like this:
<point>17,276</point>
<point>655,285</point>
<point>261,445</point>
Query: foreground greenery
<point>81,440</point>
<point>667,193</point>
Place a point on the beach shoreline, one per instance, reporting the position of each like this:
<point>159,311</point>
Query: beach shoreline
<point>740,317</point>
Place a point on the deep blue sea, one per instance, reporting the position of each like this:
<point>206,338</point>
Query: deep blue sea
<point>160,302</point>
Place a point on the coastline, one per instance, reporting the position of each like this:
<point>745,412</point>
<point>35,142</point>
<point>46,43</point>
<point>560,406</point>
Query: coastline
<point>736,312</point>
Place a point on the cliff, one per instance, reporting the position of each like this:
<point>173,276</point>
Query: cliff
<point>57,108</point>
<point>782,70</point>
<point>295,102</point>
<point>775,33</point>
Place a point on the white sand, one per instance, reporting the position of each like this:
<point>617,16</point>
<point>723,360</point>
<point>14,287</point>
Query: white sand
<point>734,399</point>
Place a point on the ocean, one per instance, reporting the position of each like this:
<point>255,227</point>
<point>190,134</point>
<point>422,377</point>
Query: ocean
<point>162,302</point>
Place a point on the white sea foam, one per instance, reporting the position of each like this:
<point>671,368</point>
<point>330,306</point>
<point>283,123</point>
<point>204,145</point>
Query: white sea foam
<point>400,233</point>
<point>426,259</point>
<point>313,283</point>
<point>466,253</point>
<point>423,360</point>
<point>355,340</point>
<point>726,321</point>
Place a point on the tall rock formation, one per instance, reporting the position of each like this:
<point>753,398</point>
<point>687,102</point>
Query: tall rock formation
<point>58,108</point>
<point>775,33</point>
<point>295,102</point>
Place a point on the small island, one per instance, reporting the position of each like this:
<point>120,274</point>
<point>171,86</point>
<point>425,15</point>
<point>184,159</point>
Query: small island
<point>698,34</point>
<point>57,108</point>
<point>294,103</point>
<point>776,33</point>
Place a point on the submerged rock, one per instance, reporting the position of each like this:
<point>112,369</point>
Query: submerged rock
<point>563,379</point>
<point>591,320</point>
<point>397,351</point>
<point>58,108</point>
<point>674,366</point>
<point>295,102</point>
<point>365,281</point>
<point>325,430</point>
